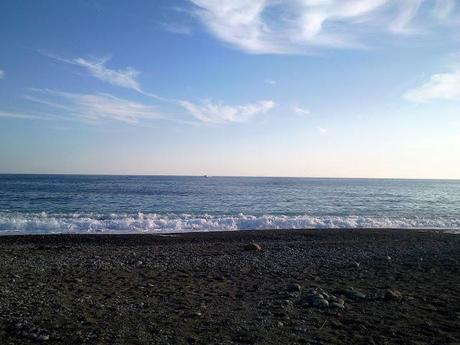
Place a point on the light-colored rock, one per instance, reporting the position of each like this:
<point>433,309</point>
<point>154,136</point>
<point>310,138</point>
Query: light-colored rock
<point>393,294</point>
<point>43,337</point>
<point>252,246</point>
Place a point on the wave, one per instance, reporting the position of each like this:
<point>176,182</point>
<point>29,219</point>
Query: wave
<point>125,223</point>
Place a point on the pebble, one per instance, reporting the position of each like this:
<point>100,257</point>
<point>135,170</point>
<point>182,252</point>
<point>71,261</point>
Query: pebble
<point>293,287</point>
<point>353,294</point>
<point>318,298</point>
<point>39,337</point>
<point>335,299</point>
<point>191,340</point>
<point>320,303</point>
<point>337,305</point>
<point>301,329</point>
<point>43,337</point>
<point>393,294</point>
<point>253,247</point>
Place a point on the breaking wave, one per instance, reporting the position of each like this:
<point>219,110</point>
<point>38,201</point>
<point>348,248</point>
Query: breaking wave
<point>136,223</point>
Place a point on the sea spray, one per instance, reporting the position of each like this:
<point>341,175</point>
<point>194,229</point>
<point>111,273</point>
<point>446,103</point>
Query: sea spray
<point>140,222</point>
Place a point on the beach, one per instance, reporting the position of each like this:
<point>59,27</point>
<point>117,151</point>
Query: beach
<point>235,287</point>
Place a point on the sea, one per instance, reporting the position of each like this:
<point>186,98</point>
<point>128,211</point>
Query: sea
<point>44,204</point>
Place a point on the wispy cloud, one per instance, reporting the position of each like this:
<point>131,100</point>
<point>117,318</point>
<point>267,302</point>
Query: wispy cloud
<point>95,107</point>
<point>443,86</point>
<point>177,28</point>
<point>126,77</point>
<point>407,11</point>
<point>209,112</point>
<point>27,116</point>
<point>270,81</point>
<point>122,77</point>
<point>301,111</point>
<point>263,26</point>
<point>2,74</point>
<point>444,8</point>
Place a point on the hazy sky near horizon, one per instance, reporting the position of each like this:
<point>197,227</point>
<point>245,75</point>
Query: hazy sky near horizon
<point>333,88</point>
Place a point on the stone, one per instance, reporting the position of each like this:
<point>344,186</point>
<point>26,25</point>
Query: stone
<point>39,337</point>
<point>294,287</point>
<point>335,299</point>
<point>337,305</point>
<point>320,303</point>
<point>43,337</point>
<point>253,247</point>
<point>317,297</point>
<point>393,294</point>
<point>191,340</point>
<point>353,294</point>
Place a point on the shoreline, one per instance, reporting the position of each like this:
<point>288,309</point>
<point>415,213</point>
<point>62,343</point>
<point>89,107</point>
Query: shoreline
<point>217,288</point>
<point>103,233</point>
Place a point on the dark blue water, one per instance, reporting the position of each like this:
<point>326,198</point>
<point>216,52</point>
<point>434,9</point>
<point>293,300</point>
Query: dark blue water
<point>65,203</point>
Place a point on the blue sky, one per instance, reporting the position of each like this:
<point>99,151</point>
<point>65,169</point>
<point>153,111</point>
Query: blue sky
<point>333,88</point>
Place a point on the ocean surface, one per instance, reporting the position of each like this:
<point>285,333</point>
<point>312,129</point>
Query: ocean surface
<point>105,204</point>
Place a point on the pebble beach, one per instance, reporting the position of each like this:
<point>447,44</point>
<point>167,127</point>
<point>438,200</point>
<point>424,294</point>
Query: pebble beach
<point>243,287</point>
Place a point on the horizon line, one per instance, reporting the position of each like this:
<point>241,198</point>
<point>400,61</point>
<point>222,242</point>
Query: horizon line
<point>237,176</point>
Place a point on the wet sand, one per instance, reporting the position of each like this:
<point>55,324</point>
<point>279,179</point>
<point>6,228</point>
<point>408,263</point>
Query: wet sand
<point>212,288</point>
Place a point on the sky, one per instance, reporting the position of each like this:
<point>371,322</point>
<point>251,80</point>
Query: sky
<point>308,88</point>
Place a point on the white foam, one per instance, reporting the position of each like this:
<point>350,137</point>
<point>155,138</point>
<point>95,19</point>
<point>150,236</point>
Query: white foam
<point>94,223</point>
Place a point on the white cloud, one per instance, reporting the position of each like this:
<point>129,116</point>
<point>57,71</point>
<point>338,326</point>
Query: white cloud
<point>123,77</point>
<point>237,22</point>
<point>407,12</point>
<point>443,86</point>
<point>270,81</point>
<point>219,113</point>
<point>298,26</point>
<point>16,115</point>
<point>95,107</point>
<point>126,77</point>
<point>301,111</point>
<point>2,74</point>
